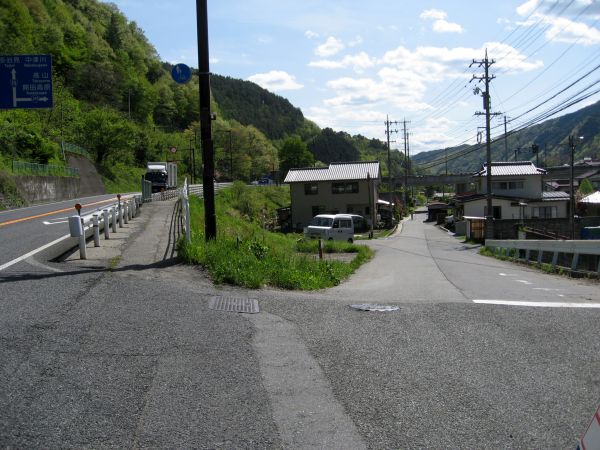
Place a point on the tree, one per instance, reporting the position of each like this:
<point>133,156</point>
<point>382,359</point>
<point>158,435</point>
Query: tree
<point>108,134</point>
<point>330,146</point>
<point>585,188</point>
<point>294,154</point>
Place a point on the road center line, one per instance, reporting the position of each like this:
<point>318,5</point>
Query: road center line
<point>538,304</point>
<point>37,216</point>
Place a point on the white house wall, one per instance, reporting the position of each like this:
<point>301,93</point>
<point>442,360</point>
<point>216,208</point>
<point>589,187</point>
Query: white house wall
<point>476,208</point>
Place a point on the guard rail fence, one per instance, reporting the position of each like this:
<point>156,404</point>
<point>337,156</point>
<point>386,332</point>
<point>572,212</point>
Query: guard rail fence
<point>545,249</point>
<point>103,219</point>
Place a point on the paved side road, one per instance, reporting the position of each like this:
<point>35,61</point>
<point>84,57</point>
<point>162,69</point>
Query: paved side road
<point>126,354</point>
<point>131,356</point>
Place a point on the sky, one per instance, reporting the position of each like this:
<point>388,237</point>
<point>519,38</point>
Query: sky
<point>352,65</point>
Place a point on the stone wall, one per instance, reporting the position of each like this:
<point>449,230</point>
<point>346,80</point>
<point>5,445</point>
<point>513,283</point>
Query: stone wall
<point>47,189</point>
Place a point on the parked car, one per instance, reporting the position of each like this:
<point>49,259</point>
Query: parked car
<point>336,227</point>
<point>360,223</point>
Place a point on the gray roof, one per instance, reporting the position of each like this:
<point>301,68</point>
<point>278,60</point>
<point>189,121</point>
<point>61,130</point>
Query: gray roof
<point>335,172</point>
<point>555,195</point>
<point>515,168</point>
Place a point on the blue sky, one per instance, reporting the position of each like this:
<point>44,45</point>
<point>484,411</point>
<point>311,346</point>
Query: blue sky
<point>348,64</point>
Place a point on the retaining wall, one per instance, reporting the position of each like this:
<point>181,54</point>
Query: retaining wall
<point>46,189</point>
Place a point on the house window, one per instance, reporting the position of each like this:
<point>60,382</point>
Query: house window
<point>496,212</point>
<point>317,209</point>
<point>345,187</point>
<point>311,188</point>
<point>544,212</point>
<point>507,185</point>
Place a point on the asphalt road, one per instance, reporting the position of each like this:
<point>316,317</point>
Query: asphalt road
<point>133,357</point>
<point>25,229</point>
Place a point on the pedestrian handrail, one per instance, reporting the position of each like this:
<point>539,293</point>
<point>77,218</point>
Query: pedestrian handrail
<point>51,170</point>
<point>92,223</point>
<point>575,247</point>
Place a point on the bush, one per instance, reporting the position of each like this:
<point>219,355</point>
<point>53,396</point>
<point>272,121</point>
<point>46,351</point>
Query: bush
<point>244,254</point>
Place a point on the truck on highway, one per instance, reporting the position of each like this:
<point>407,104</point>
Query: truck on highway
<point>162,175</point>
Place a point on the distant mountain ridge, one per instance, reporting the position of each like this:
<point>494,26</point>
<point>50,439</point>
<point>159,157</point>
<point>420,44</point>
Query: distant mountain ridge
<point>550,136</point>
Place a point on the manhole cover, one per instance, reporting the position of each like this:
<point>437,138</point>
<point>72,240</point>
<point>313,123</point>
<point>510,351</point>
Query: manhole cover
<point>372,307</point>
<point>234,304</point>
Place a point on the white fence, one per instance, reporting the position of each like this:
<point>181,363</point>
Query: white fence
<point>104,218</point>
<point>575,248</point>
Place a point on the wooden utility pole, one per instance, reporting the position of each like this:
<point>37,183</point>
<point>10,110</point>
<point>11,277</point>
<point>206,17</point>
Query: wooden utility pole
<point>387,133</point>
<point>486,78</point>
<point>208,156</point>
<point>405,165</point>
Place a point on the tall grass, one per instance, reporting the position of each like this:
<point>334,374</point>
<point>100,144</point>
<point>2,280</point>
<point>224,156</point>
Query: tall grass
<point>246,254</point>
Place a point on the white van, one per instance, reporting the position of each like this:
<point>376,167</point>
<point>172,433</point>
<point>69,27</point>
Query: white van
<point>337,227</point>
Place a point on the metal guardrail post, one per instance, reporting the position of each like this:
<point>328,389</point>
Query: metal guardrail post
<point>188,233</point>
<point>106,219</point>
<point>120,215</point>
<point>113,213</point>
<point>125,213</point>
<point>82,249</point>
<point>96,229</point>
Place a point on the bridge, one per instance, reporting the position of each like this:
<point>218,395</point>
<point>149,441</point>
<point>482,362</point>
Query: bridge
<point>553,173</point>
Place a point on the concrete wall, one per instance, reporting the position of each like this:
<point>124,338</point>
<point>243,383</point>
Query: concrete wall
<point>46,189</point>
<point>476,208</point>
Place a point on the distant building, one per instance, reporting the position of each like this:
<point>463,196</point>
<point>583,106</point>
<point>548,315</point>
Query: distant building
<point>517,193</point>
<point>345,187</point>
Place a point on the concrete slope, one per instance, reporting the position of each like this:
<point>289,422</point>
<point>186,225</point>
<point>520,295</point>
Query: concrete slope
<point>91,182</point>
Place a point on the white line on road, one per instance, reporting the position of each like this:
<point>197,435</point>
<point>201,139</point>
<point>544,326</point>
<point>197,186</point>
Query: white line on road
<point>33,252</point>
<point>523,281</point>
<point>538,304</point>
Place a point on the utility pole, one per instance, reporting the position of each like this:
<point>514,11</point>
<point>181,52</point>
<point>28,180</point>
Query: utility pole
<point>446,163</point>
<point>405,164</point>
<point>505,140</point>
<point>208,157</point>
<point>572,145</point>
<point>387,133</point>
<point>486,78</point>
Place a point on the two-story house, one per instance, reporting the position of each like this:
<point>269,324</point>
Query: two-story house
<point>345,187</point>
<point>517,193</point>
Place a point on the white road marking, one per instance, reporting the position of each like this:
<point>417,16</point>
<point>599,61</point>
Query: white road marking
<point>538,304</point>
<point>33,252</point>
<point>523,281</point>
<point>506,274</point>
<point>547,289</point>
<point>45,222</point>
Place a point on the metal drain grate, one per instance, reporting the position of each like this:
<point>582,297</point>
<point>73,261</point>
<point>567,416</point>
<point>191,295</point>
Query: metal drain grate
<point>372,307</point>
<point>234,304</point>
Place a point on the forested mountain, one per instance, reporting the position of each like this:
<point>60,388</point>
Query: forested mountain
<point>550,136</point>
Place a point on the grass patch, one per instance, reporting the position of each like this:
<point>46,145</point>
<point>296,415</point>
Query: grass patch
<point>9,192</point>
<point>246,254</point>
<point>120,178</point>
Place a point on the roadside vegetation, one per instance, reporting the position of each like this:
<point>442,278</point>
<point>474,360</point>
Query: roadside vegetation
<point>247,253</point>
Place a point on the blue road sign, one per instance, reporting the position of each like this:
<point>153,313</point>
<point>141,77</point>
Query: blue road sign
<point>25,81</point>
<point>181,73</point>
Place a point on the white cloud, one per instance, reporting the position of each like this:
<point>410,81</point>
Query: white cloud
<point>527,7</point>
<point>565,30</point>
<point>440,24</point>
<point>276,80</point>
<point>356,41</point>
<point>358,62</point>
<point>330,47</point>
<point>311,34</point>
<point>434,14</point>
